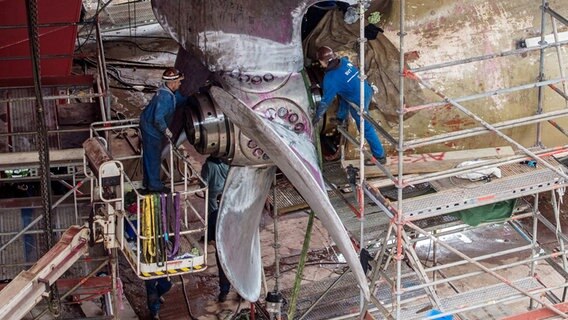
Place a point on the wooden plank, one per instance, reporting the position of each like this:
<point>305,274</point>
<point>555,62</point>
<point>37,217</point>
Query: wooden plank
<point>432,162</point>
<point>386,182</point>
<point>24,159</point>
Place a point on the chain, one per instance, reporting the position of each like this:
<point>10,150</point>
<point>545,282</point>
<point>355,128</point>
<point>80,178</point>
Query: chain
<point>42,145</point>
<point>41,139</point>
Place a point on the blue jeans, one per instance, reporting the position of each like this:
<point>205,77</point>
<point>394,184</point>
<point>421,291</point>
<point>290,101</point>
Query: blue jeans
<point>370,134</point>
<point>151,161</point>
<point>155,288</point>
<point>224,284</point>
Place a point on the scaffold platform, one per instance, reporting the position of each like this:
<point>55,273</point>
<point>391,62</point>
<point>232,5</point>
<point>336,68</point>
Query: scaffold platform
<point>453,194</point>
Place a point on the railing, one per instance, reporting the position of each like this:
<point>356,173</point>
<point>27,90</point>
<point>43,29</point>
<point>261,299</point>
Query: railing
<point>132,234</point>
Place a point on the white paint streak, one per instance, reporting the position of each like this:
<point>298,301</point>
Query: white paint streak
<point>249,53</point>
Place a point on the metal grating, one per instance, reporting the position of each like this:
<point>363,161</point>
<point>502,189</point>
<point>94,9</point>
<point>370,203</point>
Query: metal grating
<point>343,298</point>
<point>435,222</point>
<point>334,173</point>
<point>19,116</point>
<point>288,199</point>
<point>477,297</point>
<point>375,223</point>
<point>516,182</point>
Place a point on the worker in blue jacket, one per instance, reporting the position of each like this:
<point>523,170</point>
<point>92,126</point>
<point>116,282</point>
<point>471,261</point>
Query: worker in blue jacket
<point>214,172</point>
<point>342,79</point>
<point>154,122</point>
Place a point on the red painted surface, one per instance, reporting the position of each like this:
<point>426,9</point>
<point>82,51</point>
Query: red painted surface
<point>539,314</point>
<point>71,80</point>
<point>56,41</point>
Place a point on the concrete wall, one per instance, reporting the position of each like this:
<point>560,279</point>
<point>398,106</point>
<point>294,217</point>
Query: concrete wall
<point>447,30</point>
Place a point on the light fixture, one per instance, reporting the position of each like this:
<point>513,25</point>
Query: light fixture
<point>535,42</point>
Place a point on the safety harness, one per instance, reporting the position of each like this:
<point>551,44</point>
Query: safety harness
<point>170,204</point>
<point>177,226</point>
<point>155,227</point>
<point>148,244</point>
<point>158,234</point>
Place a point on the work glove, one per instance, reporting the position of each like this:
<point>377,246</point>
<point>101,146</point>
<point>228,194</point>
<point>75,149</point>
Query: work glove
<point>375,88</point>
<point>168,134</point>
<point>338,122</point>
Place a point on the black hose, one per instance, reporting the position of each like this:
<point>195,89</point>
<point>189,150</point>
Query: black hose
<point>115,74</point>
<point>191,316</point>
<point>141,48</point>
<point>124,63</point>
<point>236,313</point>
<point>92,23</point>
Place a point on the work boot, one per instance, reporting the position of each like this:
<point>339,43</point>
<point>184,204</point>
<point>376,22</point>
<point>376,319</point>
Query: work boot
<point>163,190</point>
<point>381,160</point>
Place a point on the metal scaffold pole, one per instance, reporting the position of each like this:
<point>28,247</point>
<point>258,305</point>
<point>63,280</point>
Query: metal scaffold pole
<point>564,92</point>
<point>399,218</point>
<point>397,250</point>
<point>362,77</point>
<point>538,141</point>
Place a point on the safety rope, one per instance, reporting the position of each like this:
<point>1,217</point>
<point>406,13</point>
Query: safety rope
<point>148,244</point>
<point>170,205</point>
<point>159,239</point>
<point>164,204</point>
<point>155,227</point>
<point>177,226</point>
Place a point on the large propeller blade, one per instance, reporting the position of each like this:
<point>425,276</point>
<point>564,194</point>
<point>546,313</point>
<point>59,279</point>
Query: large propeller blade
<point>295,155</point>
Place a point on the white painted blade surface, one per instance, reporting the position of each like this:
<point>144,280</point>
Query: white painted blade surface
<point>295,155</point>
<point>238,243</point>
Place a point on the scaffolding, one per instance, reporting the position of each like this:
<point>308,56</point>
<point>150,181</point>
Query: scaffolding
<point>403,286</point>
<point>68,103</point>
<point>422,291</point>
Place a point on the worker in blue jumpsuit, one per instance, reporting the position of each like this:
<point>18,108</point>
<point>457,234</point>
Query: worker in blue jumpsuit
<point>214,171</point>
<point>341,79</point>
<point>154,122</point>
